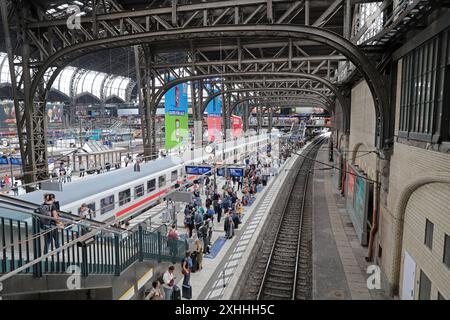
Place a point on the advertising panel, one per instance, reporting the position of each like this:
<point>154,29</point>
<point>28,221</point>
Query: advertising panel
<point>358,202</point>
<point>176,116</point>
<point>359,197</point>
<point>351,182</point>
<point>236,126</point>
<point>54,112</point>
<point>214,110</point>
<point>214,128</point>
<point>7,114</point>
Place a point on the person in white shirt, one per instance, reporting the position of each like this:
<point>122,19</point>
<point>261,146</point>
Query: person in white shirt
<point>169,280</point>
<point>68,174</point>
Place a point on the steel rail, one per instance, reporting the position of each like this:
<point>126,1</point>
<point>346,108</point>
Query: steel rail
<point>266,270</point>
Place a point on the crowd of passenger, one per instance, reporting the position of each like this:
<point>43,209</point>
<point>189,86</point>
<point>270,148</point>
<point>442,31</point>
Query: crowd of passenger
<point>203,214</point>
<point>209,206</point>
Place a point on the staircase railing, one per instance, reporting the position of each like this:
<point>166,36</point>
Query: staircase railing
<point>104,253</point>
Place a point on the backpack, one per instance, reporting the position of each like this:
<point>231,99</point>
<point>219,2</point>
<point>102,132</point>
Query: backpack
<point>188,219</point>
<point>198,217</point>
<point>45,210</point>
<point>203,230</point>
<point>172,235</point>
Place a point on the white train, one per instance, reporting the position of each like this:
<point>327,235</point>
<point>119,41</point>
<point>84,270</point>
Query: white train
<point>122,193</point>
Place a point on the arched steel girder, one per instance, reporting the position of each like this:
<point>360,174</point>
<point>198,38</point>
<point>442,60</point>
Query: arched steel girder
<point>273,99</point>
<point>322,36</point>
<point>214,95</point>
<point>299,75</point>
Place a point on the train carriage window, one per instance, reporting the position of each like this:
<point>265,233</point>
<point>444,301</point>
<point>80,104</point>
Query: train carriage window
<point>151,185</point>
<point>106,204</point>
<point>161,181</point>
<point>138,191</point>
<point>124,197</point>
<point>174,176</point>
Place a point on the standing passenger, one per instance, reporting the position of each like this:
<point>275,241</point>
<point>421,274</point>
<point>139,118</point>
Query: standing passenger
<point>169,281</point>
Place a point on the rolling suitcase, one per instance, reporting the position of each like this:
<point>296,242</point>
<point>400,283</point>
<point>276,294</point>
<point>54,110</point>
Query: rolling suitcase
<point>176,294</point>
<point>187,291</point>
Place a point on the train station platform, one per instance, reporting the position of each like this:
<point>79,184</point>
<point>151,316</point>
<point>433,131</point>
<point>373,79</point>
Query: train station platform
<point>339,265</point>
<point>223,266</point>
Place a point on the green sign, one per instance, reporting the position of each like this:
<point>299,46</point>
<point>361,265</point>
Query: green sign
<point>176,116</point>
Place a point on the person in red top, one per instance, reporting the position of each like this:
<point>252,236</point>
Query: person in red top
<point>172,238</point>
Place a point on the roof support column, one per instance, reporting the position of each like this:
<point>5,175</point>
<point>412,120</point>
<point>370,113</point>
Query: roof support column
<point>245,115</point>
<point>270,113</point>
<point>347,19</point>
<point>146,88</point>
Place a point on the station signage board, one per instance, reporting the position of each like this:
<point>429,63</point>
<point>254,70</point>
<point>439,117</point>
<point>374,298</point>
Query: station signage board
<point>16,161</point>
<point>12,161</point>
<point>197,170</point>
<point>232,172</point>
<point>176,116</point>
<point>236,172</point>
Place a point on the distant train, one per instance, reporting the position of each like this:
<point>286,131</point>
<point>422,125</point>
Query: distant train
<point>121,193</point>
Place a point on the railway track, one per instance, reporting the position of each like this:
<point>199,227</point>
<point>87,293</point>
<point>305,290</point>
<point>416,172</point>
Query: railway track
<point>283,269</point>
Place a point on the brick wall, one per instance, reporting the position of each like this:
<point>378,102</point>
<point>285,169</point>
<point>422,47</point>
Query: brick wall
<point>362,129</point>
<point>432,202</point>
<point>410,167</point>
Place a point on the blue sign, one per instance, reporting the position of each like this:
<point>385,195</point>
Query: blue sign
<point>4,160</point>
<point>220,172</point>
<point>236,172</point>
<point>16,161</point>
<point>195,170</point>
<point>214,107</point>
<point>176,100</point>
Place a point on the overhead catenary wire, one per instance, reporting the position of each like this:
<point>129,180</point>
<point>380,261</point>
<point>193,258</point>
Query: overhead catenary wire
<point>334,167</point>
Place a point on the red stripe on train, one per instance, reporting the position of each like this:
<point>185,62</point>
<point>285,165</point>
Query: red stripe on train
<point>137,204</point>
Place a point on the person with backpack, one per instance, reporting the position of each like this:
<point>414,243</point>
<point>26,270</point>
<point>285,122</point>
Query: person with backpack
<point>49,209</point>
<point>217,206</point>
<point>236,220</point>
<point>209,212</point>
<point>228,225</point>
<point>198,219</point>
<point>172,238</point>
<point>210,231</point>
<point>203,235</point>
<point>188,221</point>
<point>197,264</point>
<point>186,267</point>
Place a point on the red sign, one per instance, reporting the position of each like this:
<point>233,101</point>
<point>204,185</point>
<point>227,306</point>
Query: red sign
<point>214,128</point>
<point>351,183</point>
<point>177,96</point>
<point>236,126</point>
